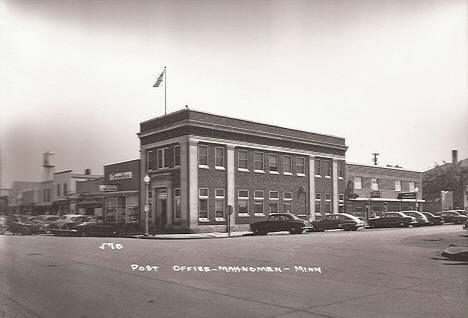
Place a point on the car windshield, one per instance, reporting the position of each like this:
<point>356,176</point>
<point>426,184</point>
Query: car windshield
<point>77,218</point>
<point>52,218</point>
<point>428,214</point>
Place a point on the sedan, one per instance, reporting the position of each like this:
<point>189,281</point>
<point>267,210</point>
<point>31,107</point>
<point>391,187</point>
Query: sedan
<point>433,219</point>
<point>19,224</point>
<point>65,221</point>
<point>392,219</point>
<point>343,221</point>
<point>421,219</point>
<point>452,217</point>
<point>279,222</point>
<point>95,226</point>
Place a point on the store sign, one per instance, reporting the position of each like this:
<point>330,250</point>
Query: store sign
<point>107,188</point>
<point>406,195</point>
<point>120,175</point>
<point>375,194</point>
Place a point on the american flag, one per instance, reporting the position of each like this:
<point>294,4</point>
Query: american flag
<point>160,79</point>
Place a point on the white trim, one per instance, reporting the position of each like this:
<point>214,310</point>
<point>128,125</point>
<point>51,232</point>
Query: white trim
<point>387,199</point>
<point>318,176</point>
<point>274,172</point>
<point>259,214</point>
<point>243,170</point>
<point>327,177</point>
<point>259,171</point>
<point>205,220</point>
<point>220,168</point>
<point>300,175</point>
<point>288,173</point>
<point>203,167</point>
<point>243,215</point>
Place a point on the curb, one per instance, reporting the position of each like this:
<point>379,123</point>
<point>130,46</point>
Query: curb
<point>456,253</point>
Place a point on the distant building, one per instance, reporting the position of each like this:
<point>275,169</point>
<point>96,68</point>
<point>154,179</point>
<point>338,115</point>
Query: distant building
<point>446,186</point>
<point>375,189</point>
<point>201,164</point>
<point>21,197</point>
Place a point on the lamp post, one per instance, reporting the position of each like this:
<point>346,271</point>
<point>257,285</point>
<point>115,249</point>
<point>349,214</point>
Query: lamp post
<point>147,180</point>
<point>416,190</point>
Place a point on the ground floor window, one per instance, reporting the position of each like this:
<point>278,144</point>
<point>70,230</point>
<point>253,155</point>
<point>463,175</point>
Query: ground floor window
<point>177,207</point>
<point>121,209</point>
<point>287,207</point>
<point>328,207</point>
<point>258,202</point>
<point>219,204</point>
<point>203,205</point>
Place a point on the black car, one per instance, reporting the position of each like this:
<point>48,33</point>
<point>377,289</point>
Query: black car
<point>95,226</point>
<point>392,219</point>
<point>343,221</point>
<point>19,224</point>
<point>279,222</point>
<point>433,219</point>
<point>452,217</point>
<point>421,219</point>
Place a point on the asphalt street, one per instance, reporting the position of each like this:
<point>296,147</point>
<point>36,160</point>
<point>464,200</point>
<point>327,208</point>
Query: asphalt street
<point>368,273</point>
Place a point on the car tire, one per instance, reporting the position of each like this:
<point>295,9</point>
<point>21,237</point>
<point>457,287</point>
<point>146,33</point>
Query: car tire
<point>354,228</point>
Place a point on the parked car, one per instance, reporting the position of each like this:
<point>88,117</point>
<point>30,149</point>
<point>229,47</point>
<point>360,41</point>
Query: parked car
<point>19,224</point>
<point>66,221</point>
<point>279,222</point>
<point>462,212</point>
<point>421,219</point>
<point>343,221</point>
<point>392,219</point>
<point>45,221</point>
<point>95,226</point>
<point>433,219</point>
<point>452,217</point>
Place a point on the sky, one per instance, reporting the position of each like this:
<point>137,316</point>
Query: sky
<point>76,77</point>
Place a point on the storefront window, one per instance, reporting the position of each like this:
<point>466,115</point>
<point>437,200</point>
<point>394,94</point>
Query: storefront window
<point>177,207</point>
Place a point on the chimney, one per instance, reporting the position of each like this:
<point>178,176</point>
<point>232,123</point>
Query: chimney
<point>454,156</point>
<point>87,171</point>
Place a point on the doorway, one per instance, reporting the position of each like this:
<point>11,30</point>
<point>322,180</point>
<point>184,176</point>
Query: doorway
<point>161,209</point>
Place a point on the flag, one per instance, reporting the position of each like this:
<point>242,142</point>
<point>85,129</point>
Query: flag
<point>160,79</point>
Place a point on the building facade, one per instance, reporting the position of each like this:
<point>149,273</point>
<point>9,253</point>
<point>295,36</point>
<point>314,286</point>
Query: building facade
<point>201,165</point>
<point>373,190</point>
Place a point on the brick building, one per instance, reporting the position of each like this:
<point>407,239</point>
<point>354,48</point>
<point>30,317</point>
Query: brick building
<point>200,164</point>
<point>376,189</point>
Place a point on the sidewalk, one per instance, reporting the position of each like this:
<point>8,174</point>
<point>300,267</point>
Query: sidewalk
<point>193,236</point>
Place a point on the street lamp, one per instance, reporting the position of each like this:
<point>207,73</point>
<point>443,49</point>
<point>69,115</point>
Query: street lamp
<point>147,180</point>
<point>416,190</point>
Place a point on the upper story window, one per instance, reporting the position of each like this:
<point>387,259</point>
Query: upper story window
<point>163,160</point>
<point>327,197</point>
<point>340,169</point>
<point>411,186</point>
<point>258,161</point>
<point>357,183</point>
<point>328,168</point>
<point>318,168</point>
<point>397,185</point>
<point>318,196</point>
<point>287,165</point>
<point>203,155</point>
<point>176,155</point>
<point>243,159</point>
<point>273,163</point>
<point>219,157</point>
<point>341,197</point>
<point>287,196</point>
<point>151,159</point>
<point>374,184</point>
<point>300,165</point>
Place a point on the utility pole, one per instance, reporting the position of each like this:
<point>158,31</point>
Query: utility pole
<point>375,154</point>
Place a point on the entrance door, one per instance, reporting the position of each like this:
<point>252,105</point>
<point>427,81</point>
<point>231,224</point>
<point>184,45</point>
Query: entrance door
<point>161,208</point>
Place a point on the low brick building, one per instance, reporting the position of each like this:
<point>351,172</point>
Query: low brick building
<point>199,164</point>
<point>376,189</point>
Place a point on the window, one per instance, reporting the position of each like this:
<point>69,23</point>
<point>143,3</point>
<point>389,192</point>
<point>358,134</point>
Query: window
<point>300,166</point>
<point>374,184</point>
<point>273,163</point>
<point>328,168</point>
<point>243,202</point>
<point>219,204</point>
<point>411,186</point>
<point>203,205</point>
<point>327,197</point>
<point>258,162</point>
<point>203,155</point>
<point>340,169</point>
<point>397,185</point>
<point>340,203</point>
<point>243,160</point>
<point>177,207</point>
<point>58,190</point>
<point>287,165</point>
<point>357,183</point>
<point>318,202</point>
<point>65,190</point>
<point>318,168</point>
<point>287,202</point>
<point>341,197</point>
<point>258,202</point>
<point>176,155</point>
<point>151,159</point>
<point>219,157</point>
<point>273,204</point>
<point>327,207</point>
<point>163,160</point>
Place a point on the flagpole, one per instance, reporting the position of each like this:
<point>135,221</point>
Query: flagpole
<point>165,86</point>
